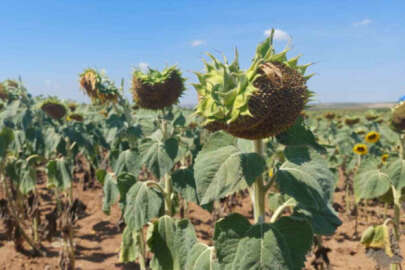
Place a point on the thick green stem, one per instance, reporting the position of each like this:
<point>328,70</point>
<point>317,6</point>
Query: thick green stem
<point>168,195</point>
<point>396,221</point>
<point>257,191</point>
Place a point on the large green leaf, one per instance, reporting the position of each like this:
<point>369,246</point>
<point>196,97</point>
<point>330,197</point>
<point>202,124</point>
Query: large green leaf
<point>158,155</point>
<point>299,135</point>
<point>184,183</point>
<point>281,245</point>
<point>58,174</point>
<point>128,161</point>
<point>201,257</point>
<point>171,242</point>
<point>221,168</point>
<point>396,172</point>
<point>305,176</point>
<point>370,182</point>
<point>143,204</point>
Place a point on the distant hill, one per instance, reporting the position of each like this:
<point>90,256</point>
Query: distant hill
<point>351,105</point>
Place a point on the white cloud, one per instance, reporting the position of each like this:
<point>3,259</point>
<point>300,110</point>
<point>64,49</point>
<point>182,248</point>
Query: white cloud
<point>279,35</point>
<point>143,66</point>
<point>363,22</point>
<point>196,43</point>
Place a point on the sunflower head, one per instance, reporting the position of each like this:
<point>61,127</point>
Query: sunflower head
<point>360,149</point>
<point>53,108</point>
<point>372,137</point>
<point>351,121</point>
<point>330,115</point>
<point>384,158</point>
<point>256,103</point>
<point>372,117</point>
<point>398,117</point>
<point>360,131</point>
<point>156,90</point>
<point>98,87</point>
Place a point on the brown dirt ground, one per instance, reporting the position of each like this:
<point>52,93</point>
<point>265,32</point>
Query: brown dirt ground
<point>98,238</point>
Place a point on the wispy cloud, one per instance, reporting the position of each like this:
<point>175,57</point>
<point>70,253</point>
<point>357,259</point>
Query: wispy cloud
<point>196,43</point>
<point>143,66</point>
<point>279,34</point>
<point>363,22</point>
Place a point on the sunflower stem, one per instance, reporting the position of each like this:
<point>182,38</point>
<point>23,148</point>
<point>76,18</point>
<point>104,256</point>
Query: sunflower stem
<point>257,190</point>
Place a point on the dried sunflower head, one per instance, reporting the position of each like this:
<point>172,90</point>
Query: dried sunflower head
<point>262,101</point>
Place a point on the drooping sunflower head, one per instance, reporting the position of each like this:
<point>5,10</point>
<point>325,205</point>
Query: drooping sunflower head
<point>360,149</point>
<point>156,90</point>
<point>351,121</point>
<point>372,116</point>
<point>256,103</point>
<point>98,87</point>
<point>360,131</point>
<point>398,117</point>
<point>384,158</point>
<point>53,108</point>
<point>330,115</point>
<point>372,137</point>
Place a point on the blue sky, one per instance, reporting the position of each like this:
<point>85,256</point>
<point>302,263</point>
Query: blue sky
<point>358,46</point>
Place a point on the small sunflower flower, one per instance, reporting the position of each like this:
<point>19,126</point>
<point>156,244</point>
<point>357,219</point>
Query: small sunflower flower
<point>372,137</point>
<point>271,173</point>
<point>360,149</point>
<point>384,158</point>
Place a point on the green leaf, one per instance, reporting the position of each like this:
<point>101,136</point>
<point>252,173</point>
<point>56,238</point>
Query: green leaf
<point>281,245</point>
<point>299,135</point>
<point>158,155</point>
<point>28,180</point>
<point>184,184</point>
<point>396,173</point>
<point>201,257</point>
<point>111,192</point>
<point>100,175</point>
<point>128,161</point>
<point>129,246</point>
<point>305,176</point>
<point>143,204</point>
<point>221,169</point>
<point>58,174</point>
<point>124,182</point>
<point>171,242</point>
<point>370,183</point>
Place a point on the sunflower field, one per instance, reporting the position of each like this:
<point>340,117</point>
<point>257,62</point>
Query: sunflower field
<point>253,177</point>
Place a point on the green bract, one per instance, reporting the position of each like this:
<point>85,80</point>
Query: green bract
<point>156,90</point>
<point>261,101</point>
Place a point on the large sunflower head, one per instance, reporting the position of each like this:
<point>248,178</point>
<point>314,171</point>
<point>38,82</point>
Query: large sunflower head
<point>256,103</point>
<point>53,108</point>
<point>398,117</point>
<point>155,89</point>
<point>98,87</point>
<point>360,149</point>
<point>330,115</point>
<point>351,121</point>
<point>372,137</point>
